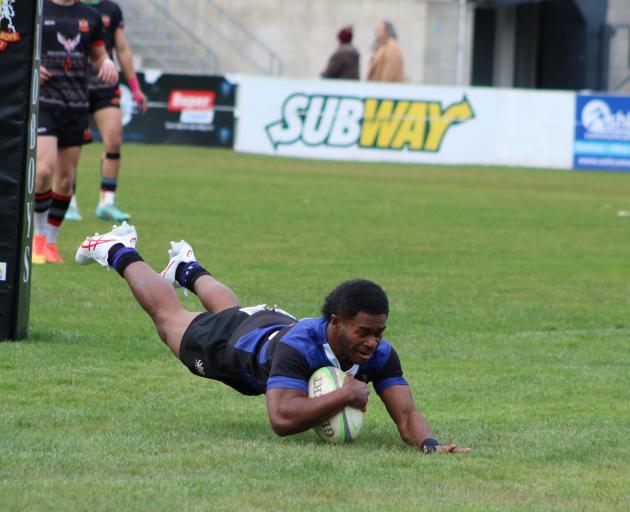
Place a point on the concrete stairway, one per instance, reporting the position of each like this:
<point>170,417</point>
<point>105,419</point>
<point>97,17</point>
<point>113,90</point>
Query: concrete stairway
<point>162,42</point>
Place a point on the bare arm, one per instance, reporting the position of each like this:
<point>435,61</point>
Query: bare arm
<point>412,426</point>
<point>125,59</point>
<point>44,75</point>
<point>291,411</point>
<point>102,64</point>
<point>124,54</point>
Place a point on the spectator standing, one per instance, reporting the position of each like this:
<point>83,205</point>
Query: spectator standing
<point>344,63</point>
<point>387,63</point>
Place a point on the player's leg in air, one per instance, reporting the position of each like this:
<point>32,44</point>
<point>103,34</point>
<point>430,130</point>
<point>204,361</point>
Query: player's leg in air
<point>154,292</point>
<point>109,123</point>
<point>183,270</point>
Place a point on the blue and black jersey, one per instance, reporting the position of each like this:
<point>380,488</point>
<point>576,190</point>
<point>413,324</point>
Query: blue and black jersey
<point>260,349</point>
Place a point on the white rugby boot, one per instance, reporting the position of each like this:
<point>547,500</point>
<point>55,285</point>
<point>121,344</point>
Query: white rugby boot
<point>180,252</point>
<point>96,247</point>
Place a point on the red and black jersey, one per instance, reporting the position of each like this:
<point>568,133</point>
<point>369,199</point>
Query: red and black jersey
<point>69,31</point>
<point>112,18</point>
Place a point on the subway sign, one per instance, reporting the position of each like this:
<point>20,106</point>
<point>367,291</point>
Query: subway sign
<point>372,123</point>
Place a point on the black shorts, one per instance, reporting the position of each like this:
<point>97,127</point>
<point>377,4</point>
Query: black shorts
<point>204,344</point>
<point>105,97</point>
<point>71,127</point>
<point>204,348</point>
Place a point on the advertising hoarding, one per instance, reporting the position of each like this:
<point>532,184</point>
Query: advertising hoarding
<point>346,120</point>
<point>602,132</point>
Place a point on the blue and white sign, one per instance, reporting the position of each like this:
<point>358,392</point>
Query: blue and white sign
<point>602,132</point>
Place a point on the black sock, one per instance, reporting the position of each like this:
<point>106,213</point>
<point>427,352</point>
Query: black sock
<point>120,257</point>
<point>186,274</point>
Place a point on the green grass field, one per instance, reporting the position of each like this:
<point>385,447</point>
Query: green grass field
<point>510,309</point>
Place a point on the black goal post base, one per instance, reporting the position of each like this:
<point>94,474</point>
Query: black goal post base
<point>20,44</point>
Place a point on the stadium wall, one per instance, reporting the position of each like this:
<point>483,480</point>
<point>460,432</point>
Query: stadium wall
<point>346,120</point>
<point>303,33</point>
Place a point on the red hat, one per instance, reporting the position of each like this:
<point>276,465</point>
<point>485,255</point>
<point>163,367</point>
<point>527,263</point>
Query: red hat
<point>345,34</point>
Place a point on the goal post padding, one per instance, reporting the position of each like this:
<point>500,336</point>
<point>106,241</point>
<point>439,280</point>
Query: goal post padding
<point>20,40</point>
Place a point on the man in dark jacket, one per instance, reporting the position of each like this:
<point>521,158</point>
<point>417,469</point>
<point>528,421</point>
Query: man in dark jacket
<point>344,63</point>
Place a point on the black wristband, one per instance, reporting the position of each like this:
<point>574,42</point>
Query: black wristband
<point>428,445</point>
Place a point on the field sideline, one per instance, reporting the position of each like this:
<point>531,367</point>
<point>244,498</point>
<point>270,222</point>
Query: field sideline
<point>510,309</point>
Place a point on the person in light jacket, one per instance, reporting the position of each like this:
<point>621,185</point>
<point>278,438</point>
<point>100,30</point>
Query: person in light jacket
<point>387,63</point>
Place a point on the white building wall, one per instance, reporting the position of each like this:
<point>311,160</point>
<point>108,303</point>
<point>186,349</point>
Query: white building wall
<point>303,32</point>
<point>619,56</point>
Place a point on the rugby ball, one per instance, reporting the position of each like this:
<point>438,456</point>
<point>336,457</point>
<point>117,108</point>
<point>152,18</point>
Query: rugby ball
<point>344,426</point>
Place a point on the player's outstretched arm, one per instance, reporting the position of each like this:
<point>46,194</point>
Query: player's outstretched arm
<point>413,428</point>
<point>291,411</point>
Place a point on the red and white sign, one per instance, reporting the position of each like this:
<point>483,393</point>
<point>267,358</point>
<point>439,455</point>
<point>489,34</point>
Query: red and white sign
<point>181,99</point>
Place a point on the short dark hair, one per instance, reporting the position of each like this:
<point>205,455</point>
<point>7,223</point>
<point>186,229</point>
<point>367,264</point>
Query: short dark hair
<point>355,296</point>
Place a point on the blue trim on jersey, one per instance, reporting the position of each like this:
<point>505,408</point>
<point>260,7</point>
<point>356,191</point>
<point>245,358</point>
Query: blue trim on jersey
<point>262,355</point>
<point>308,337</point>
<point>249,342</point>
<point>381,355</point>
<point>381,386</point>
<point>280,381</point>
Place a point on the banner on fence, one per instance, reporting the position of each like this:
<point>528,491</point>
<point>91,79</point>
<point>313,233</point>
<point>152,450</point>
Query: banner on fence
<point>602,132</point>
<point>404,123</point>
<point>183,109</point>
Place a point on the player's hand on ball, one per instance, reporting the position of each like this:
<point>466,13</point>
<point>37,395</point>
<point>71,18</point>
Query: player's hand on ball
<point>452,448</point>
<point>359,390</point>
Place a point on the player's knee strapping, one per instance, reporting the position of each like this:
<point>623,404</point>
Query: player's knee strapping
<point>112,156</point>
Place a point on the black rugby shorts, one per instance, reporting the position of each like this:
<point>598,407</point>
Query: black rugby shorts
<point>71,127</point>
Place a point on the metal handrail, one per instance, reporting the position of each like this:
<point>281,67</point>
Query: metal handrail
<point>274,62</point>
<point>274,59</point>
<point>185,30</point>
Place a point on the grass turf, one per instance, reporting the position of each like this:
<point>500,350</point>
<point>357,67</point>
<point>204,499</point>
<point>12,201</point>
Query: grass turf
<point>510,304</point>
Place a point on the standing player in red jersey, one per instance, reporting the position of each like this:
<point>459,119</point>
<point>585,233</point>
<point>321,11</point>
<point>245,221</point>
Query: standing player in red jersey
<point>72,40</point>
<point>105,109</point>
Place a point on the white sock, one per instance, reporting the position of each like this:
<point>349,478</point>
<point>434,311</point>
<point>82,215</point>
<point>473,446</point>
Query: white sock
<point>53,232</point>
<point>41,223</point>
<point>108,198</point>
